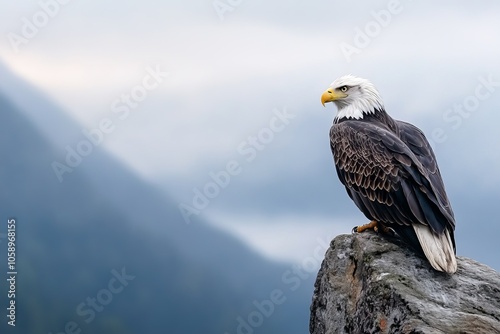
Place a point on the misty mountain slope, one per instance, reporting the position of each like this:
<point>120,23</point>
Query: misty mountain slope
<point>34,104</point>
<point>73,235</point>
<point>119,186</point>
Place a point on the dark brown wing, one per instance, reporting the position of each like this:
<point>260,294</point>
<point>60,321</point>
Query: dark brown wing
<point>414,138</point>
<point>386,179</point>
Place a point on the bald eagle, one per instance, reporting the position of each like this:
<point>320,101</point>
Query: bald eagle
<point>390,172</point>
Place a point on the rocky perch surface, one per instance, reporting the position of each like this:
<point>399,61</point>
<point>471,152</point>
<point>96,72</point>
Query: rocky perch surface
<point>370,284</point>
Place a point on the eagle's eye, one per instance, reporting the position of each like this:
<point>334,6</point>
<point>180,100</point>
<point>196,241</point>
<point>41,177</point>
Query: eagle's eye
<point>343,89</point>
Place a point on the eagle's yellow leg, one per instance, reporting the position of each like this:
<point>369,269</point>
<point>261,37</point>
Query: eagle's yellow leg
<point>373,225</point>
<point>376,226</point>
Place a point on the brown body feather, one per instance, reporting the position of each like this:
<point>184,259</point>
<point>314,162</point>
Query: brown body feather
<point>390,172</point>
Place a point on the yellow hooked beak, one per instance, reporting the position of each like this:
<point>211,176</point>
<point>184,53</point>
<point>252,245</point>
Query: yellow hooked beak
<point>331,95</point>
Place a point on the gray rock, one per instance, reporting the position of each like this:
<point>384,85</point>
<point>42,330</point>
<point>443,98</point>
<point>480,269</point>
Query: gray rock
<point>372,284</point>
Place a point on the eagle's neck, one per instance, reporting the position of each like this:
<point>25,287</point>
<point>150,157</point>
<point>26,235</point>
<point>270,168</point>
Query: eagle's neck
<point>350,112</point>
<point>378,116</point>
<point>369,104</point>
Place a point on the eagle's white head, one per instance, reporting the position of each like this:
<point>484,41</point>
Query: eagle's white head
<point>354,97</point>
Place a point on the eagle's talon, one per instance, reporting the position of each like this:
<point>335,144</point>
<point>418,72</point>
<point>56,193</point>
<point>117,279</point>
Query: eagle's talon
<point>370,226</point>
<point>354,229</point>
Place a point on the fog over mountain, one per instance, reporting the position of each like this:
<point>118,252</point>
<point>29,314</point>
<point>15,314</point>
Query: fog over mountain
<point>104,229</point>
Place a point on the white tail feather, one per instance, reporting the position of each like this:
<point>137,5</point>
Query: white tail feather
<point>438,248</point>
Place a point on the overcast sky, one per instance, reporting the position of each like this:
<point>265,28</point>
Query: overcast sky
<point>208,76</point>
